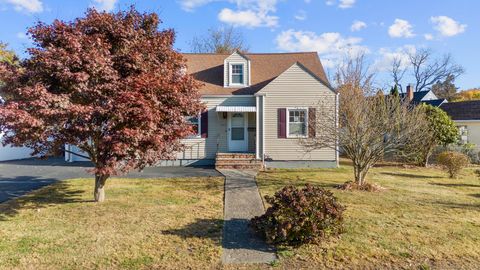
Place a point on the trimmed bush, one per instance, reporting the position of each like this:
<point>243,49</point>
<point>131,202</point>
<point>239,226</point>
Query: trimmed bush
<point>299,216</point>
<point>453,162</point>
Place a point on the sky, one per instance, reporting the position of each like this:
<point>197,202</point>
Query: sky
<point>381,29</point>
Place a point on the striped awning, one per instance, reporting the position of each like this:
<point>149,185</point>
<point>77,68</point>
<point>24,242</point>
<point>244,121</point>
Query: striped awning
<point>236,109</point>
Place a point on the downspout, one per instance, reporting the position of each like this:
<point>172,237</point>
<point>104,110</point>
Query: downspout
<point>257,129</point>
<point>337,155</point>
<point>263,129</point>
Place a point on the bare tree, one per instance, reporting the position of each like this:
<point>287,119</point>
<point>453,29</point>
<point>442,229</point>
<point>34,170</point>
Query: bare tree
<point>222,40</point>
<point>398,71</point>
<point>367,126</point>
<point>427,70</point>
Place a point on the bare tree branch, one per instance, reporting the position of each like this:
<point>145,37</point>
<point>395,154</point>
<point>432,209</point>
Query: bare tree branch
<point>222,40</point>
<point>427,71</point>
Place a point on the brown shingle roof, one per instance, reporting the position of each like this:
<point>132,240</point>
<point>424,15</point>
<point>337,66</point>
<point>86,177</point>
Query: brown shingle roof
<point>208,69</point>
<point>464,110</point>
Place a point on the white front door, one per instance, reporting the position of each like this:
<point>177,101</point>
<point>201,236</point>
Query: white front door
<point>237,132</point>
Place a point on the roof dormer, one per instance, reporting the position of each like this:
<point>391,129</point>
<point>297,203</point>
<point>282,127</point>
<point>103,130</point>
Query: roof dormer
<point>236,70</point>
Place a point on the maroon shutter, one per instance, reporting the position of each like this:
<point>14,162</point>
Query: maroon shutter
<point>312,122</point>
<point>282,123</point>
<point>204,124</point>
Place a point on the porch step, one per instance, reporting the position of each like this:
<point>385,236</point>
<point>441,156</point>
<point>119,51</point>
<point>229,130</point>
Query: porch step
<point>244,161</point>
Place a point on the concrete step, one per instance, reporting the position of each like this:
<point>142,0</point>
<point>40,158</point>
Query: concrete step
<point>236,155</point>
<point>239,166</point>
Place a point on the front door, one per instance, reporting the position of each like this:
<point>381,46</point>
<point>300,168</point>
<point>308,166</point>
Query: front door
<point>237,132</point>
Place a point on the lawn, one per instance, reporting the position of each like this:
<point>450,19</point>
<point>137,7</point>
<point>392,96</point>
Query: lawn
<point>422,221</point>
<point>144,224</point>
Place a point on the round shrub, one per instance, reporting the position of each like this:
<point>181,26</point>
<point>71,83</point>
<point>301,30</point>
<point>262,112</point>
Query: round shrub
<point>453,162</point>
<point>299,216</point>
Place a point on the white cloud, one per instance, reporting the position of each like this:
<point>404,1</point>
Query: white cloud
<point>107,5</point>
<point>301,15</point>
<point>387,56</point>
<point>333,47</point>
<point>247,18</point>
<point>401,28</point>
<point>357,26</point>
<point>447,26</point>
<point>346,3</point>
<point>21,35</point>
<point>248,13</point>
<point>341,3</point>
<point>29,6</point>
<point>190,5</point>
<point>428,36</point>
<point>330,2</point>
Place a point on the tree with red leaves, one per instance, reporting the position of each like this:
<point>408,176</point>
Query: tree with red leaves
<point>109,83</point>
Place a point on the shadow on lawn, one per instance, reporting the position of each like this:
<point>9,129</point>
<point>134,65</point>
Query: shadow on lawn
<point>52,193</point>
<point>409,175</point>
<point>454,185</point>
<point>464,206</point>
<point>278,182</point>
<point>201,228</point>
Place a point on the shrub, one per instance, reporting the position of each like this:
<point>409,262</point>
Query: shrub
<point>453,162</point>
<point>299,216</point>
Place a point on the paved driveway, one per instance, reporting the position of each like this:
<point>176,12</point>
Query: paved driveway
<point>22,176</point>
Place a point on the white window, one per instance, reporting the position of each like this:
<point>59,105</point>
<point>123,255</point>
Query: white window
<point>463,133</point>
<point>194,121</point>
<point>297,122</point>
<point>236,74</point>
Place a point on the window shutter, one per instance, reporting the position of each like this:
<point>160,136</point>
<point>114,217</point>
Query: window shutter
<point>204,124</point>
<point>312,122</point>
<point>282,123</point>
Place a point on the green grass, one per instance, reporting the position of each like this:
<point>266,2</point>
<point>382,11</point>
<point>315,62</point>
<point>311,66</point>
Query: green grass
<point>144,224</point>
<point>423,219</point>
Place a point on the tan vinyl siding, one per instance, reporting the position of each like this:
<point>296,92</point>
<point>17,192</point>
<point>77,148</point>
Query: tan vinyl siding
<point>206,148</point>
<point>473,131</point>
<point>294,88</point>
<point>235,58</point>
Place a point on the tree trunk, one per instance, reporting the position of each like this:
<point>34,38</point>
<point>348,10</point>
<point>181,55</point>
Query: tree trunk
<point>99,192</point>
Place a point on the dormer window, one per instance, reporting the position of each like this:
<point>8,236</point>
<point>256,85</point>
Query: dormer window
<point>237,74</point>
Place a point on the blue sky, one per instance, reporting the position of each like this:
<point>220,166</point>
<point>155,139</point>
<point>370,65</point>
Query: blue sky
<point>383,29</point>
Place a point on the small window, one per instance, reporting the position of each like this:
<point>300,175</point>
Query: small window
<point>237,74</point>
<point>463,133</point>
<point>195,123</point>
<point>297,123</point>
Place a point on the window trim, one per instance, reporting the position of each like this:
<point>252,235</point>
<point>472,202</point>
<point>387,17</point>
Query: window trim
<point>288,121</point>
<point>199,130</point>
<point>230,67</point>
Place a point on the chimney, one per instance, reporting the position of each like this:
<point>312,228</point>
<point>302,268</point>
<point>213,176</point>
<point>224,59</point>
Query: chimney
<point>410,92</point>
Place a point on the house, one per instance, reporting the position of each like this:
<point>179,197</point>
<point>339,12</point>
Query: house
<point>466,115</point>
<point>9,152</point>
<point>258,109</point>
<point>422,97</point>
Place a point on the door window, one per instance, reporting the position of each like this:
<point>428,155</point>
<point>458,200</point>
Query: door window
<point>238,127</point>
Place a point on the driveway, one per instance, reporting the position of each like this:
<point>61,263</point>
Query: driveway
<point>22,176</point>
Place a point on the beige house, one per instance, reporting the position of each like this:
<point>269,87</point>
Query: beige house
<point>466,115</point>
<point>258,109</point>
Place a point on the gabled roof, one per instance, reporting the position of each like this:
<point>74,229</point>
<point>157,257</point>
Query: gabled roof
<point>464,110</point>
<point>435,102</point>
<point>417,96</point>
<point>208,69</point>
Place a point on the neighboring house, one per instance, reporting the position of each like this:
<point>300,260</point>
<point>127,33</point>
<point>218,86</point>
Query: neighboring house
<point>258,108</point>
<point>466,115</point>
<point>425,97</point>
<point>12,153</point>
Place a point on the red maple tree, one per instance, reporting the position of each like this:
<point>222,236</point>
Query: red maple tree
<point>109,83</point>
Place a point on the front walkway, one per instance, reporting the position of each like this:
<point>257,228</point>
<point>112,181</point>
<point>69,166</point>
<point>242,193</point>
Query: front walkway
<point>243,202</point>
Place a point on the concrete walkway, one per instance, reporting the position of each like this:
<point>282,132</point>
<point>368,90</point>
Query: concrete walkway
<point>243,202</point>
